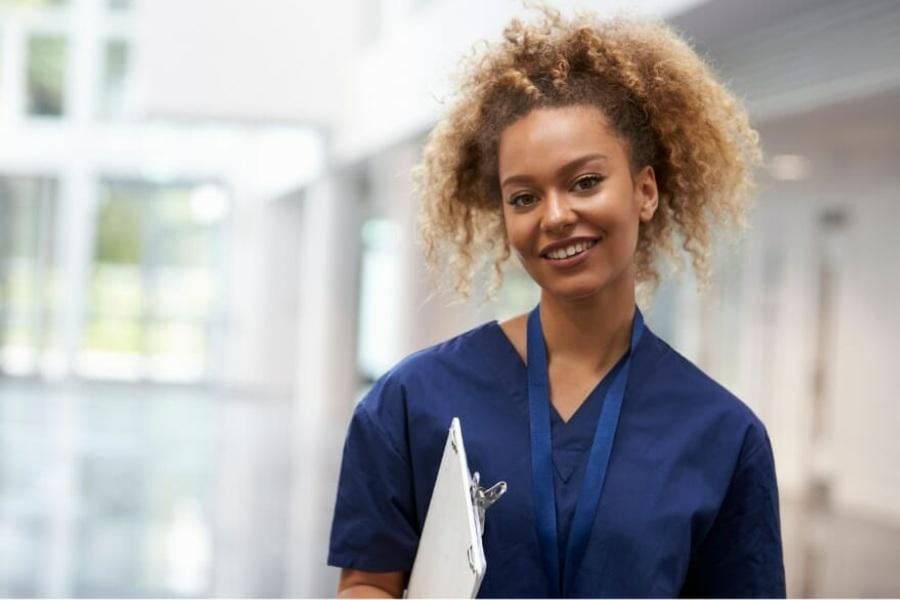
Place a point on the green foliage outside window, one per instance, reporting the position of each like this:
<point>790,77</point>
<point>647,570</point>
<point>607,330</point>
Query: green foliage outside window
<point>153,288</point>
<point>32,4</point>
<point>46,75</point>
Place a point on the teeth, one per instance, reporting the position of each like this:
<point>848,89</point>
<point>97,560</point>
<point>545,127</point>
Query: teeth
<point>568,251</point>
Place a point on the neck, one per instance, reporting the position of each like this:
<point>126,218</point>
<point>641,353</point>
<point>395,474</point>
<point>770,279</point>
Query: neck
<point>594,331</point>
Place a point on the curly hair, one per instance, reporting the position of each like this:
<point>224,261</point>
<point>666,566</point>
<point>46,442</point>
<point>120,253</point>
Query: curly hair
<point>658,95</point>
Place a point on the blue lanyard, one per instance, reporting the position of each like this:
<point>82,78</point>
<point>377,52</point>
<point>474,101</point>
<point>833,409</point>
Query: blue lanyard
<point>541,455</point>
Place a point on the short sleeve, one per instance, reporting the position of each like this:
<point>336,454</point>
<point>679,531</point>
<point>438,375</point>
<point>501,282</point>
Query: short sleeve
<point>741,555</point>
<point>374,516</point>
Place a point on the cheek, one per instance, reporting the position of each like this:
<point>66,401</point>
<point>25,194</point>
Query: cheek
<point>515,232</point>
<point>627,241</point>
<point>618,213</point>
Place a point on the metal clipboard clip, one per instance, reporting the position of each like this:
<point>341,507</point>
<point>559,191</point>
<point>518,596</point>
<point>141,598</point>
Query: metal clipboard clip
<point>483,498</point>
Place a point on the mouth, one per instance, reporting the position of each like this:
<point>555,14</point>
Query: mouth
<point>568,252</point>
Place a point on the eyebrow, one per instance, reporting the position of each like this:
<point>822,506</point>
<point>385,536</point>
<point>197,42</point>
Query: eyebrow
<point>568,167</point>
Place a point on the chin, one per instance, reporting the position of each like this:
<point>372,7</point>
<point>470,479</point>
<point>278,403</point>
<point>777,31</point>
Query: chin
<point>583,285</point>
<point>573,290</point>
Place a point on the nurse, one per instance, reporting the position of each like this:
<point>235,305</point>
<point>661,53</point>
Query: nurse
<point>590,149</point>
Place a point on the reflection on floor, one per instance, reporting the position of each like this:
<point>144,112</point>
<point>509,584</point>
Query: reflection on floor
<point>127,490</point>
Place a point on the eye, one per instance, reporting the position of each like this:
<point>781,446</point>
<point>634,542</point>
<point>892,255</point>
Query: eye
<point>523,200</point>
<point>586,183</point>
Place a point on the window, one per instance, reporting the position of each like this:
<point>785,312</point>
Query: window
<point>155,282</point>
<point>116,60</point>
<point>29,275</point>
<point>46,75</point>
<point>380,279</point>
<point>33,4</point>
<point>120,5</point>
<point>3,100</point>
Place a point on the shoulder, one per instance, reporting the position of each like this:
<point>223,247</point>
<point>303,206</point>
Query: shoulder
<point>465,358</point>
<point>693,395</point>
<point>460,353</point>
<point>516,330</point>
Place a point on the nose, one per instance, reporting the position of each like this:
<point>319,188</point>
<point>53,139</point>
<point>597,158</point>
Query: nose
<point>558,214</point>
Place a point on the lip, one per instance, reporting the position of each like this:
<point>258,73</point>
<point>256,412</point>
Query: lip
<point>566,242</point>
<point>571,261</point>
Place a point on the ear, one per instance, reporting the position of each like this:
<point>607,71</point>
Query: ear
<point>647,193</point>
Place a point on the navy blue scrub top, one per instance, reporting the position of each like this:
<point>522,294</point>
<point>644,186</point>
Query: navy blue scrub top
<point>689,506</point>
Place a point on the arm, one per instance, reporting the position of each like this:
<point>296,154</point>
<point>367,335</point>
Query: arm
<point>365,584</point>
<point>741,554</point>
<point>374,533</point>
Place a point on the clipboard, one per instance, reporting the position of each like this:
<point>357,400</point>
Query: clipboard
<point>450,560</point>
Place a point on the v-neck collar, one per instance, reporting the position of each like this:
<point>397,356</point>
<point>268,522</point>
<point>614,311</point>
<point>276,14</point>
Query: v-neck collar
<point>589,409</point>
<point>513,370</point>
<point>571,439</point>
<point>507,365</point>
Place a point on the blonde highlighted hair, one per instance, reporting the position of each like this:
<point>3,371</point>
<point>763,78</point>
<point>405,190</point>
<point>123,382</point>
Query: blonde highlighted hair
<point>659,97</point>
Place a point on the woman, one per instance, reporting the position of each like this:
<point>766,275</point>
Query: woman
<point>586,148</point>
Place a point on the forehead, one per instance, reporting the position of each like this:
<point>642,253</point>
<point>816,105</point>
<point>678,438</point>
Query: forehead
<point>547,137</point>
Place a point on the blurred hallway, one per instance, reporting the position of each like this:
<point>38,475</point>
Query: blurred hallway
<point>208,252</point>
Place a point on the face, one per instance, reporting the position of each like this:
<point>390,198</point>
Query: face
<point>571,204</point>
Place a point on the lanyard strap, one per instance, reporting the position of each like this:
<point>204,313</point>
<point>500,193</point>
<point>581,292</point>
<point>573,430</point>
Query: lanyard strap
<point>542,451</point>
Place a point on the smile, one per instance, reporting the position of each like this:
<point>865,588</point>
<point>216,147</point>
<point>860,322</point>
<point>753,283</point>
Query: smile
<point>570,250</point>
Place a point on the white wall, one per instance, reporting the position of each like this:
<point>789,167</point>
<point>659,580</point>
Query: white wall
<point>260,61</point>
<point>864,419</point>
<point>851,151</point>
